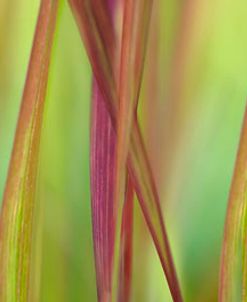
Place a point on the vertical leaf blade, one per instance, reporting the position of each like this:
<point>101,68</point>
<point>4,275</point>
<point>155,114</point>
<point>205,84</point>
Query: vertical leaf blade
<point>135,28</point>
<point>102,179</point>
<point>102,157</point>
<point>125,265</point>
<point>233,274</point>
<point>16,224</point>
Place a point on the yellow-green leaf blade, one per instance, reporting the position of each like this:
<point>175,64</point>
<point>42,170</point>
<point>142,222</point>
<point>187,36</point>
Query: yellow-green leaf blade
<point>16,224</point>
<point>233,272</point>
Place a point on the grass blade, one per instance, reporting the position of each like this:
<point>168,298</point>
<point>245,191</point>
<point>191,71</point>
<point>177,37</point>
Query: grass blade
<point>138,163</point>
<point>125,272</point>
<point>135,28</point>
<point>16,225</point>
<point>103,143</point>
<point>233,274</point>
<point>102,179</point>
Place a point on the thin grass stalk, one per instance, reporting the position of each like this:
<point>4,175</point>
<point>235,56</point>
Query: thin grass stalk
<point>135,28</point>
<point>16,223</point>
<point>233,273</point>
<point>126,250</point>
<point>124,114</point>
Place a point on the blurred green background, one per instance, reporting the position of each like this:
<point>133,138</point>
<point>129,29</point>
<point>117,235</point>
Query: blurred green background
<point>192,105</point>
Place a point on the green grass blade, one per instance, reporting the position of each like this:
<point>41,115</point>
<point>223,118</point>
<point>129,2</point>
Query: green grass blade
<point>233,274</point>
<point>16,224</point>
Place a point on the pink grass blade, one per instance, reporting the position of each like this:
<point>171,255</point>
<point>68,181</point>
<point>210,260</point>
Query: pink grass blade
<point>138,164</point>
<point>102,180</point>
<point>103,141</point>
<point>233,273</point>
<point>16,225</point>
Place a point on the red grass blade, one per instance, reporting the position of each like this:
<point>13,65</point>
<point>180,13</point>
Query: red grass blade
<point>94,37</point>
<point>16,225</point>
<point>103,142</point>
<point>233,273</point>
<point>102,180</point>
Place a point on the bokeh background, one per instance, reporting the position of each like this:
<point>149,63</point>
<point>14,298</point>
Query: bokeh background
<point>192,104</point>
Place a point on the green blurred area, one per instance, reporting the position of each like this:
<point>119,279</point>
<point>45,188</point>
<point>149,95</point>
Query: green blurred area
<point>197,55</point>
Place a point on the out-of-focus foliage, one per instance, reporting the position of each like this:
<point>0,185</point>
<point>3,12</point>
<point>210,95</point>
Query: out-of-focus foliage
<point>197,63</point>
